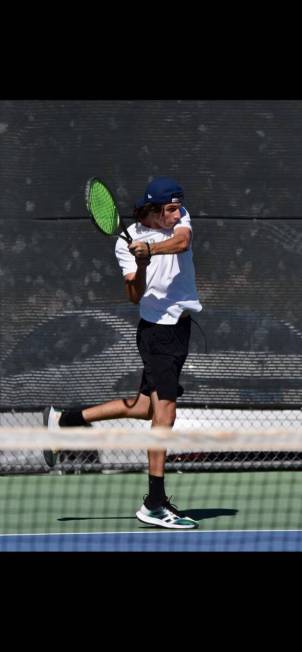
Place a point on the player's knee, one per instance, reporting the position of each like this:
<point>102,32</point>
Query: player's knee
<point>165,416</point>
<point>139,408</point>
<point>129,405</point>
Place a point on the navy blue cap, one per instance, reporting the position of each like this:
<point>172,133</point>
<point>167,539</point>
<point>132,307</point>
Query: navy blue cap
<point>162,190</point>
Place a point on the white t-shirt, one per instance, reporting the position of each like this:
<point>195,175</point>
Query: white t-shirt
<point>170,278</point>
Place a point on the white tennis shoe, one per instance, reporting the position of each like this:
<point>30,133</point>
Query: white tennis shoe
<point>166,516</point>
<point>51,418</point>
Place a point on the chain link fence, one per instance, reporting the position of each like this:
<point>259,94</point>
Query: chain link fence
<point>188,419</point>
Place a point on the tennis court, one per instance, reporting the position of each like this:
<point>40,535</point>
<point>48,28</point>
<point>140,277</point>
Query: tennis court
<point>236,511</point>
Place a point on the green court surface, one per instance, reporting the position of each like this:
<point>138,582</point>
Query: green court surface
<point>38,504</point>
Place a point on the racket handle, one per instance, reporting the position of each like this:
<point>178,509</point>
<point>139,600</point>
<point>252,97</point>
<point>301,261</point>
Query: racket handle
<point>127,239</point>
<point>128,236</point>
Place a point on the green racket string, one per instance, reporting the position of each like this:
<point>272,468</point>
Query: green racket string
<point>103,208</point>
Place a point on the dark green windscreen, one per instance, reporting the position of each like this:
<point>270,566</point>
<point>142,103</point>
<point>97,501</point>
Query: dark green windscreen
<point>68,330</point>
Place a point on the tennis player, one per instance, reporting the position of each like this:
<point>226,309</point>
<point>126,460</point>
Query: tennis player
<point>159,275</point>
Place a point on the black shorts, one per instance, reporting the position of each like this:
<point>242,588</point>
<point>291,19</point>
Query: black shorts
<point>163,349</point>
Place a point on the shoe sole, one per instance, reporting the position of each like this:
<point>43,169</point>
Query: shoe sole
<point>49,455</point>
<point>46,416</point>
<point>169,526</point>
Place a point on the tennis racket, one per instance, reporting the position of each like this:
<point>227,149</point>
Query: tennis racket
<point>103,210</point>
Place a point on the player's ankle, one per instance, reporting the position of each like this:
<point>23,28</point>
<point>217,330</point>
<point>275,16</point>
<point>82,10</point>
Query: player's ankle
<point>71,418</point>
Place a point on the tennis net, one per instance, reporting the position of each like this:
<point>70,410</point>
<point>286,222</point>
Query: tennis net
<point>237,507</point>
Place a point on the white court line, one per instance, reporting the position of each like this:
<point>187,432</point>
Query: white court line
<point>143,531</point>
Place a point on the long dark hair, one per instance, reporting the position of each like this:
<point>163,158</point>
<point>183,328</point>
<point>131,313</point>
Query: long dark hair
<point>141,213</point>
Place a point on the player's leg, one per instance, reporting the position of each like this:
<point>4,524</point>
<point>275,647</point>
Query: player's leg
<point>163,350</point>
<point>157,509</point>
<point>164,413</point>
<point>131,408</point>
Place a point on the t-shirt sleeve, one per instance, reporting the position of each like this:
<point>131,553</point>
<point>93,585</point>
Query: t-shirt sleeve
<point>184,219</point>
<point>125,259</point>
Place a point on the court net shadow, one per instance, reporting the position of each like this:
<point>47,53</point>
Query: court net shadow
<point>196,514</point>
<point>96,518</point>
<point>201,514</point>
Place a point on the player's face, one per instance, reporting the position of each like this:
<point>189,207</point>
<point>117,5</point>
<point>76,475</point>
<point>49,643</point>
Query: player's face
<point>169,216</point>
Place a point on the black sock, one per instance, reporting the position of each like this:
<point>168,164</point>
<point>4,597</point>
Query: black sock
<point>71,418</point>
<point>157,494</point>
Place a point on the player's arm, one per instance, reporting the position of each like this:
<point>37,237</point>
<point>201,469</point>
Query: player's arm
<point>135,282</point>
<point>179,243</point>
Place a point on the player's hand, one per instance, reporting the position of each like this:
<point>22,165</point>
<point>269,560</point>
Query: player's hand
<point>139,249</point>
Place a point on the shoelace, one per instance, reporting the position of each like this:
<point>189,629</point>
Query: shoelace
<point>173,508</point>
<point>167,504</point>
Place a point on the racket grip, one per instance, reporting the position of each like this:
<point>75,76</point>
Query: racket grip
<point>128,236</point>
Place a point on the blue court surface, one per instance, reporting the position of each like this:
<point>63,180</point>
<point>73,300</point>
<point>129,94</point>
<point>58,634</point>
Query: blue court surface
<point>157,541</point>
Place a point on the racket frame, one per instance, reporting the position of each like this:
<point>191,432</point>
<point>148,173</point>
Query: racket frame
<point>121,225</point>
